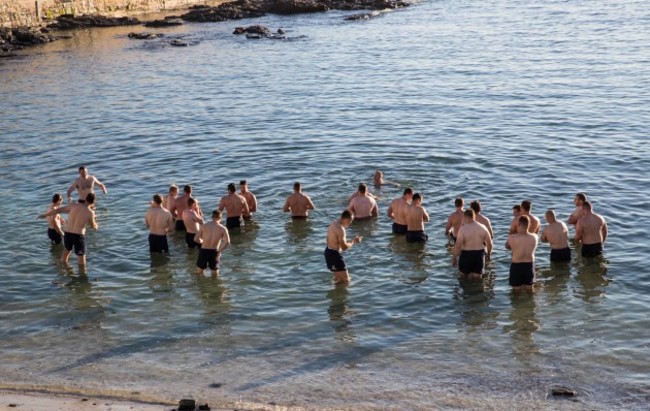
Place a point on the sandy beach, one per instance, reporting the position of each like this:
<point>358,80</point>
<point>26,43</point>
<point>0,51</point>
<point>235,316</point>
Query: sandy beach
<point>52,402</point>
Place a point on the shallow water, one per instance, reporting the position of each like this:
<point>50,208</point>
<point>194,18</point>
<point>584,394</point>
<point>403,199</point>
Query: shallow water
<point>500,101</point>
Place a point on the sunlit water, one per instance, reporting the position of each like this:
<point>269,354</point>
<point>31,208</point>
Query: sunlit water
<point>500,101</point>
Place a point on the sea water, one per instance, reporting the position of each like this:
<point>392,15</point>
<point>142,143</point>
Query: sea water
<point>497,101</point>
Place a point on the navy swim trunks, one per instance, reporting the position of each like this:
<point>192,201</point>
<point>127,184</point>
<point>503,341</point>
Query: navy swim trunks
<point>471,261</point>
<point>561,254</point>
<point>76,241</point>
<point>334,260</point>
<point>521,274</point>
<point>158,244</point>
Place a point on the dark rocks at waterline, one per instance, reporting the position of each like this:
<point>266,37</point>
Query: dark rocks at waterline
<point>69,22</point>
<point>186,405</point>
<point>164,23</point>
<point>241,9</point>
<point>178,43</point>
<point>560,391</point>
<point>261,30</point>
<point>18,38</point>
<point>145,36</point>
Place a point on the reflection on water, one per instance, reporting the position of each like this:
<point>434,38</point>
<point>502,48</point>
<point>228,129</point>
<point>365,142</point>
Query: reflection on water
<point>591,276</point>
<point>524,324</point>
<point>340,314</point>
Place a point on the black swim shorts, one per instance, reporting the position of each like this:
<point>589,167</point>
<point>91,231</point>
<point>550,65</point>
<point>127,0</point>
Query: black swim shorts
<point>592,250</point>
<point>77,241</point>
<point>189,240</point>
<point>180,225</point>
<point>54,236</point>
<point>334,260</point>
<point>158,244</point>
<point>399,228</point>
<point>471,261</point>
<point>416,236</point>
<point>233,222</point>
<point>561,254</point>
<point>521,274</point>
<point>208,258</point>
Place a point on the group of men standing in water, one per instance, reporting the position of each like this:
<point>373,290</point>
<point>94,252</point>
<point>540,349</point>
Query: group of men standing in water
<point>470,232</point>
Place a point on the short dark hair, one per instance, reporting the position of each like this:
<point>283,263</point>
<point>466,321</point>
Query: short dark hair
<point>524,221</point>
<point>187,189</point>
<point>526,205</point>
<point>587,205</point>
<point>517,208</point>
<point>56,198</point>
<point>242,182</point>
<point>476,206</point>
<point>191,201</point>
<point>346,215</point>
<point>458,202</point>
<point>582,196</point>
<point>90,198</point>
<point>363,188</point>
<point>417,196</point>
<point>157,198</point>
<point>82,168</point>
<point>470,213</point>
<point>408,190</point>
<point>296,186</point>
<point>216,214</point>
<point>231,187</point>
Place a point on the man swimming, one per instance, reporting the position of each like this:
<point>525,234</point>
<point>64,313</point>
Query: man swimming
<point>455,220</point>
<point>535,223</point>
<point>363,206</point>
<point>336,243</point>
<point>251,200</point>
<point>471,243</point>
<point>397,211</point>
<point>235,206</point>
<point>214,238</point>
<point>591,230</point>
<point>74,236</point>
<point>54,222</point>
<point>298,203</point>
<point>556,234</point>
<point>577,214</point>
<point>480,218</point>
<point>160,222</point>
<point>416,216</point>
<point>523,244</point>
<point>192,221</point>
<point>84,184</point>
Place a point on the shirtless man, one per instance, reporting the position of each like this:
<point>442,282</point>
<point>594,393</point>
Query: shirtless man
<point>455,220</point>
<point>81,214</point>
<point>557,235</point>
<point>179,205</point>
<point>397,211</point>
<point>516,211</point>
<point>378,180</point>
<point>298,203</point>
<point>523,245</point>
<point>358,193</point>
<point>480,218</point>
<point>578,200</point>
<point>251,200</point>
<point>592,231</point>
<point>170,198</point>
<point>416,216</point>
<point>336,243</point>
<point>84,184</point>
<point>160,222</point>
<point>535,223</point>
<point>235,206</point>
<point>363,206</point>
<point>54,222</point>
<point>213,238</point>
<point>473,238</point>
<point>192,221</point>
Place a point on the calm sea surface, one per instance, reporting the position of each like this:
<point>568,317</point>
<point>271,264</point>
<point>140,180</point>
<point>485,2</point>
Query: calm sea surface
<point>497,100</point>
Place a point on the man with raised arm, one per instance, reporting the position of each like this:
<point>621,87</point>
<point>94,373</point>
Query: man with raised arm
<point>160,222</point>
<point>523,244</point>
<point>363,206</point>
<point>214,238</point>
<point>84,184</point>
<point>397,211</point>
<point>416,216</point>
<point>74,236</point>
<point>336,243</point>
<point>298,203</point>
<point>251,200</point>
<point>577,214</point>
<point>235,206</point>
<point>480,218</point>
<point>455,220</point>
<point>591,230</point>
<point>471,244</point>
<point>535,223</point>
<point>557,235</point>
<point>55,222</point>
<point>192,221</point>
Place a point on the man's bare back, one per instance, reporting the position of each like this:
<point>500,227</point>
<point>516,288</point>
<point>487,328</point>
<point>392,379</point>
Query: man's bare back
<point>159,220</point>
<point>416,216</point>
<point>363,207</point>
<point>523,247</point>
<point>591,229</point>
<point>556,234</point>
<point>234,204</point>
<point>298,204</point>
<point>454,222</point>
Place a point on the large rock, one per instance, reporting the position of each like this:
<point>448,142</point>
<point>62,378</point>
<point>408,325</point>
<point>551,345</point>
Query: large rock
<point>68,22</point>
<point>295,6</point>
<point>17,38</point>
<point>164,23</point>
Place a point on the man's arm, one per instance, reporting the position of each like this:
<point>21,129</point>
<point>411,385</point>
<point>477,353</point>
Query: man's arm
<point>450,224</point>
<point>310,205</point>
<point>170,223</point>
<point>253,207</point>
<point>246,209</point>
<point>222,204</point>
<point>573,218</point>
<point>93,222</point>
<point>513,227</point>
<point>544,236</point>
<point>196,217</point>
<point>603,231</point>
<point>64,209</point>
<point>389,212</point>
<point>508,247</point>
<point>488,243</point>
<point>225,241</point>
<point>375,210</point>
<point>578,235</point>
<point>286,207</point>
<point>198,237</point>
<point>425,215</point>
<point>71,189</point>
<point>457,248</point>
<point>101,185</point>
